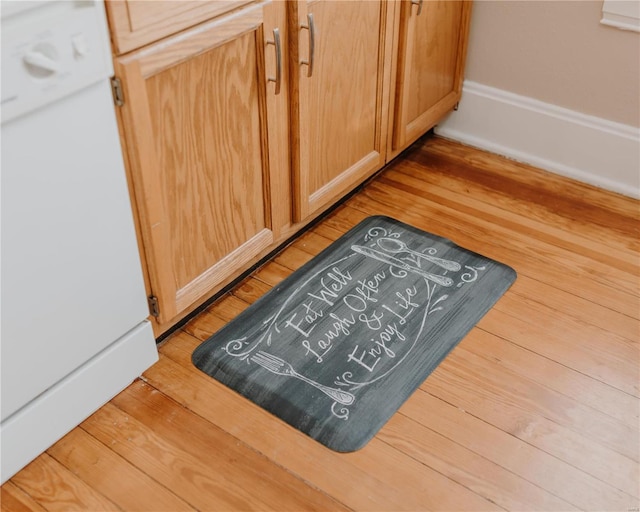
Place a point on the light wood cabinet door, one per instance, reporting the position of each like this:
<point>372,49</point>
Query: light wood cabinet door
<point>340,74</point>
<point>199,118</point>
<point>431,53</point>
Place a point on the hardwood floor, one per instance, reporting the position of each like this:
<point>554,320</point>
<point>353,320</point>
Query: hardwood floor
<point>536,409</point>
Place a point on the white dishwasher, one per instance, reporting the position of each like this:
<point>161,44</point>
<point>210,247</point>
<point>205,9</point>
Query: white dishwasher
<point>73,308</point>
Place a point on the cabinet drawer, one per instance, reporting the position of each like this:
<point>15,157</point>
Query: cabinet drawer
<point>135,23</point>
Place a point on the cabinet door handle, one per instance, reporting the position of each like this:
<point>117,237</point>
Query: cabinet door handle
<point>311,27</point>
<point>419,4</point>
<point>276,43</point>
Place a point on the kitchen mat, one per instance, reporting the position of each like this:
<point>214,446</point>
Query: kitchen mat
<point>337,347</point>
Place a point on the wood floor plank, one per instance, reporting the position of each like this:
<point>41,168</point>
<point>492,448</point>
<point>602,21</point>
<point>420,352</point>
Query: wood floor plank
<point>313,242</point>
<point>528,307</point>
<point>541,400</point>
<point>271,273</point>
<point>378,476</point>
<point>270,485</point>
<point>547,372</point>
<point>228,307</point>
<point>467,468</point>
<point>254,289</point>
<point>345,218</point>
<point>517,215</point>
<point>194,480</point>
<point>534,336</point>
<point>203,326</point>
<point>482,393</point>
<point>583,205</point>
<point>13,499</point>
<point>123,484</point>
<point>56,489</point>
<point>598,353</point>
<point>578,308</point>
<point>531,463</point>
<point>296,257</point>
<point>334,225</point>
<point>250,289</point>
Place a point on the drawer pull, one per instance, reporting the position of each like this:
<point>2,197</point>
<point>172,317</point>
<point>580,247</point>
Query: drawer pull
<point>311,27</point>
<point>419,4</point>
<point>278,48</point>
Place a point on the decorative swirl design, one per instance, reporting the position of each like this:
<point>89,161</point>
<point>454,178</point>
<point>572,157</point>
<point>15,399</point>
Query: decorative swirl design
<point>235,347</point>
<point>238,347</point>
<point>374,233</point>
<point>471,275</point>
<point>397,272</point>
<point>342,413</point>
<point>345,379</point>
<point>377,231</point>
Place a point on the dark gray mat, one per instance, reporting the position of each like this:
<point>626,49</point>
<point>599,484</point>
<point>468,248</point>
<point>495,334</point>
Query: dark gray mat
<point>337,347</point>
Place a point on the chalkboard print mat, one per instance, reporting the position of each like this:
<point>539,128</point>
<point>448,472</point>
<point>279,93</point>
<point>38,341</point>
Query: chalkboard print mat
<point>337,347</point>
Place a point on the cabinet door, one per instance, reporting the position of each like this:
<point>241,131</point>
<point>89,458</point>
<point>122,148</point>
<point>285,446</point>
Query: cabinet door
<point>198,117</point>
<point>340,85</point>
<point>431,52</point>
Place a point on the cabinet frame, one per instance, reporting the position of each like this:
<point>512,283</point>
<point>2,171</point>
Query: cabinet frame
<point>133,70</point>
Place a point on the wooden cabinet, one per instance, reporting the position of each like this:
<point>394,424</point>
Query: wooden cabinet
<point>199,118</point>
<point>243,120</point>
<point>429,71</point>
<point>340,62</point>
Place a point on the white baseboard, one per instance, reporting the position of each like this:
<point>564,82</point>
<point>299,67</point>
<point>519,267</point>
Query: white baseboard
<point>34,428</point>
<point>569,143</point>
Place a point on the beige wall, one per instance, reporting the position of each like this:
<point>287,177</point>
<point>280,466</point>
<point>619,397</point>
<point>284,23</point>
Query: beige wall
<point>559,53</point>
